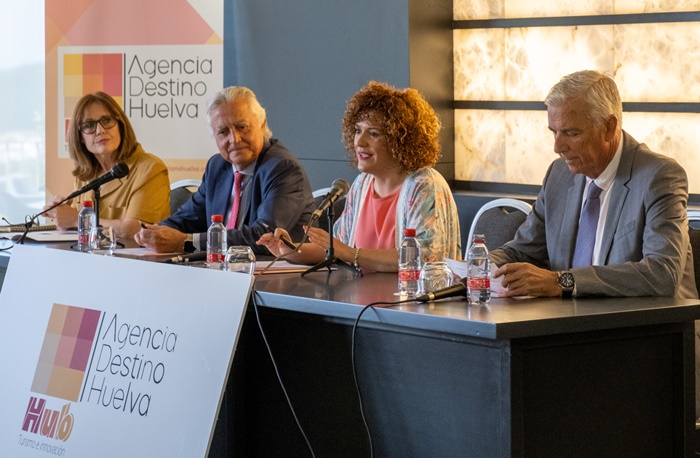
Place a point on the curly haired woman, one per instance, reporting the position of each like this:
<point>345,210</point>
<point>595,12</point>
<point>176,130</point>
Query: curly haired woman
<point>391,136</point>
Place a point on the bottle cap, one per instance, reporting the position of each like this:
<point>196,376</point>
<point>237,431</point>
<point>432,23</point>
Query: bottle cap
<point>217,218</point>
<point>478,238</point>
<point>409,232</point>
<point>87,203</point>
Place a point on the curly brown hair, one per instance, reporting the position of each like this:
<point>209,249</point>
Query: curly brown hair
<point>86,165</point>
<point>407,119</point>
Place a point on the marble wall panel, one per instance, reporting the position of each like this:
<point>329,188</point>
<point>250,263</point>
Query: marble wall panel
<point>479,64</point>
<point>516,146</point>
<point>652,6</point>
<point>477,9</point>
<point>536,58</point>
<point>502,146</point>
<point>673,134</point>
<point>658,62</point>
<point>529,147</point>
<point>521,64</point>
<point>480,145</point>
<point>500,9</point>
<point>650,63</point>
<point>549,8</point>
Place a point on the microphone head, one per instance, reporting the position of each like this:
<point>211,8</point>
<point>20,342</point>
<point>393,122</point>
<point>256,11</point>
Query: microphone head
<point>342,185</point>
<point>120,170</point>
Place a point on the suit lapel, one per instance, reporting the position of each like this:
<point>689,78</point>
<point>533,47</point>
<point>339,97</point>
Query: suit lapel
<point>617,197</point>
<point>222,195</point>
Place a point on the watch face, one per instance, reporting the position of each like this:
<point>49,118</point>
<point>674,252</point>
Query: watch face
<point>566,280</point>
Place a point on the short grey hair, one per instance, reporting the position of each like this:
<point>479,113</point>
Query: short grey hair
<point>597,90</point>
<point>232,93</point>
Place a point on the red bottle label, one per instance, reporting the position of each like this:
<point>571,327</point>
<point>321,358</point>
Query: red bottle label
<point>479,283</point>
<point>409,275</point>
<point>214,257</point>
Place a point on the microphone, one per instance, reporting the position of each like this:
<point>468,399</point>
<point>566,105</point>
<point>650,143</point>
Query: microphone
<point>458,289</point>
<point>120,170</point>
<point>185,258</point>
<point>339,189</point>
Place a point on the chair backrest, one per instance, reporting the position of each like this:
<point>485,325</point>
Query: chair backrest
<point>338,207</point>
<point>695,245</point>
<point>180,192</point>
<point>498,220</point>
<point>694,231</point>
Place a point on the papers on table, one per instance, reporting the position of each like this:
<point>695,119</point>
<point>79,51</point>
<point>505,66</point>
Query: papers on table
<point>47,236</point>
<point>460,269</point>
<point>280,267</point>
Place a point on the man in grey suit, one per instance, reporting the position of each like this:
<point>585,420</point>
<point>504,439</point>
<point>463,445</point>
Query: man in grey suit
<point>639,245</point>
<point>639,236</point>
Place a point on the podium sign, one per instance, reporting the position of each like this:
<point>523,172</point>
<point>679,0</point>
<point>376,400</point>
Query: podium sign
<point>113,357</point>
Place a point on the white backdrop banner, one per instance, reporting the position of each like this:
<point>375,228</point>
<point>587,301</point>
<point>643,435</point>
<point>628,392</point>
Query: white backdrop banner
<point>113,357</point>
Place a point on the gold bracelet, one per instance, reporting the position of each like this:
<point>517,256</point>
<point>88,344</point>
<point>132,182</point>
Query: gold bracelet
<point>355,261</point>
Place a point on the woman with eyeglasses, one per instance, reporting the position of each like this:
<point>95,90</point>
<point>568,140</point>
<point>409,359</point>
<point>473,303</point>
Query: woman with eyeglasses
<point>99,136</point>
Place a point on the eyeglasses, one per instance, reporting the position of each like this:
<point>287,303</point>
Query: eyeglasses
<point>89,127</point>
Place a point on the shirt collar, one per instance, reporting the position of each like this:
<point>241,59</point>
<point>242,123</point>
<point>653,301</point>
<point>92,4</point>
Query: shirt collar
<point>606,178</point>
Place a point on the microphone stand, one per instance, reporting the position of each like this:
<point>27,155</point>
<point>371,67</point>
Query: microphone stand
<point>30,223</point>
<point>331,259</point>
<point>96,193</point>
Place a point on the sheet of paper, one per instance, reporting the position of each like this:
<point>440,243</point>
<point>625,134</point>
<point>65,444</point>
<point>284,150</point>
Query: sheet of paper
<point>140,251</point>
<point>281,266</point>
<point>459,268</point>
<point>49,236</point>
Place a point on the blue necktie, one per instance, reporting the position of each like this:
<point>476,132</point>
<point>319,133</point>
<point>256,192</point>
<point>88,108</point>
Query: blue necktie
<point>587,227</point>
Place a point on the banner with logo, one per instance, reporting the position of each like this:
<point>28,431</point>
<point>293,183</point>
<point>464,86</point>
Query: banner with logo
<point>113,357</point>
<point>160,59</point>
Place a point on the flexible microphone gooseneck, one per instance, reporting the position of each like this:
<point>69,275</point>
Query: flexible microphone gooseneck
<point>339,188</point>
<point>120,170</point>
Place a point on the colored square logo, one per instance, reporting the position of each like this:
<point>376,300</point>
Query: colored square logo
<point>88,73</point>
<point>65,353</point>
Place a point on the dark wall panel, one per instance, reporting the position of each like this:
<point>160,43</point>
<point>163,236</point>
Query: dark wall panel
<point>304,59</point>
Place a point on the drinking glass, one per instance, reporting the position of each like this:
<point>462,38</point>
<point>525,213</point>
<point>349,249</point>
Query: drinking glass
<point>434,275</point>
<point>102,240</point>
<point>240,258</point>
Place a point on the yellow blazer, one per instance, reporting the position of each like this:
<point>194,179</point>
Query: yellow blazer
<point>143,194</point>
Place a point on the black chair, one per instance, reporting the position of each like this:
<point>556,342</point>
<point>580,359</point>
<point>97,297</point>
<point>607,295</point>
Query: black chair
<point>498,220</point>
<point>180,192</point>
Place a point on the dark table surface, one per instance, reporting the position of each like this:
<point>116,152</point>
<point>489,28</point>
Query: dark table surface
<point>340,295</point>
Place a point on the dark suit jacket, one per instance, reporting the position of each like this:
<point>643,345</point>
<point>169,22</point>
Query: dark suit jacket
<point>645,246</point>
<point>279,196</point>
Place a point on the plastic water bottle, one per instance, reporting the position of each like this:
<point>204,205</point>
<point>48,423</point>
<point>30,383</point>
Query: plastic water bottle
<point>86,221</point>
<point>478,271</point>
<point>216,243</point>
<point>409,263</point>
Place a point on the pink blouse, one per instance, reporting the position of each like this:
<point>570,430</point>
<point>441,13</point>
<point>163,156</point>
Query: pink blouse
<point>376,226</point>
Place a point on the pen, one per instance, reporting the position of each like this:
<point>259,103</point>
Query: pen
<point>289,244</point>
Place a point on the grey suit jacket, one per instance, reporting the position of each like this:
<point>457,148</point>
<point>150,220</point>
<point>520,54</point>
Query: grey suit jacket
<point>645,248</point>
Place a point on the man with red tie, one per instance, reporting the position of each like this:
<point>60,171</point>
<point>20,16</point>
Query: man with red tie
<point>255,182</point>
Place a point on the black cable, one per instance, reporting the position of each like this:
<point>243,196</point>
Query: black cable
<point>354,365</point>
<point>279,377</point>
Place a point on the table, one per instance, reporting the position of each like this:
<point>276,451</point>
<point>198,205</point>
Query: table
<point>539,377</point>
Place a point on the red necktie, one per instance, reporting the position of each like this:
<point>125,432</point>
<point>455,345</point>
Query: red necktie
<point>237,177</point>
